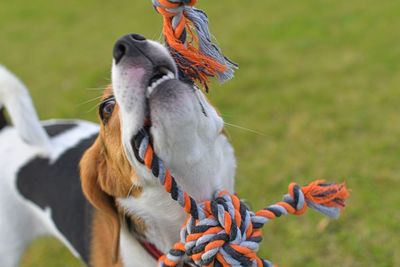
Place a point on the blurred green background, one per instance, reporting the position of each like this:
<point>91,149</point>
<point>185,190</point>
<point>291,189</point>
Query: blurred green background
<point>319,81</point>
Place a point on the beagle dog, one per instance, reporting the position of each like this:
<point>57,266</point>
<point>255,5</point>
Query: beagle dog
<point>110,211</point>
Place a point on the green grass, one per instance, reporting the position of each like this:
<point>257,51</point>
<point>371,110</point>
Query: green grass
<point>320,80</point>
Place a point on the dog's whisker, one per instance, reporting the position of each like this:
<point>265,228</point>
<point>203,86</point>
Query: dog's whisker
<point>90,100</point>
<point>225,115</point>
<point>124,209</point>
<point>157,37</point>
<point>93,99</point>
<point>93,108</point>
<point>245,129</point>
<point>102,86</point>
<point>107,79</point>
<point>130,190</point>
<point>161,37</point>
<point>95,89</point>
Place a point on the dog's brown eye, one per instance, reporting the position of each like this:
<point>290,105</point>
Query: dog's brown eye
<point>106,109</point>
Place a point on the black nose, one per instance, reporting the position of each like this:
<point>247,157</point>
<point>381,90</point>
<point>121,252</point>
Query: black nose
<point>127,45</point>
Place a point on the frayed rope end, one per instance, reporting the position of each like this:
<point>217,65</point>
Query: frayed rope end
<point>326,198</point>
<point>188,38</point>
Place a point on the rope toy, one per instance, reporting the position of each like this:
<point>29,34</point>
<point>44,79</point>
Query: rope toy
<point>223,231</point>
<point>188,38</point>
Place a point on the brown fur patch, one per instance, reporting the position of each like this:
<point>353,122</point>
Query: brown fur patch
<point>102,243</point>
<point>106,174</point>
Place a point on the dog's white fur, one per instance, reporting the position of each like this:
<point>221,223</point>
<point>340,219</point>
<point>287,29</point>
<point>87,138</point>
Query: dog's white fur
<point>190,144</point>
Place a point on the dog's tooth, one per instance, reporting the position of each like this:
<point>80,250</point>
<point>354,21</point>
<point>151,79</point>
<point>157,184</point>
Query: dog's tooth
<point>149,91</point>
<point>171,74</point>
<point>158,82</point>
<point>164,78</point>
<point>168,72</point>
<point>151,88</point>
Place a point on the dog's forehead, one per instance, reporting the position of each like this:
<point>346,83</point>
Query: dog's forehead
<point>108,91</point>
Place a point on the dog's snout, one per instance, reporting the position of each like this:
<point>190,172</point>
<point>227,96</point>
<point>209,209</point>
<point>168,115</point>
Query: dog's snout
<point>128,45</point>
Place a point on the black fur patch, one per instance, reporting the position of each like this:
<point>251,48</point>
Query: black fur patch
<point>3,121</point>
<point>56,129</point>
<point>57,186</point>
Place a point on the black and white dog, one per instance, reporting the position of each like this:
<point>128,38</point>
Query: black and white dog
<point>41,186</point>
<point>40,190</point>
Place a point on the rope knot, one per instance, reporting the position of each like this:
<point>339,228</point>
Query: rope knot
<point>222,235</point>
<point>170,8</point>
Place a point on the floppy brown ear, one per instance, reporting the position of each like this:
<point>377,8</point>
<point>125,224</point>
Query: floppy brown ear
<point>92,167</point>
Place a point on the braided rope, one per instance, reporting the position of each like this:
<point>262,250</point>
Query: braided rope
<point>188,38</point>
<point>223,231</point>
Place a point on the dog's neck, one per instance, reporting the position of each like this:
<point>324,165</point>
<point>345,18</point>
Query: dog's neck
<point>200,174</point>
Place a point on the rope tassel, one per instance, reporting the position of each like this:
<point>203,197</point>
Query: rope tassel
<point>326,198</point>
<point>223,231</point>
<point>188,38</point>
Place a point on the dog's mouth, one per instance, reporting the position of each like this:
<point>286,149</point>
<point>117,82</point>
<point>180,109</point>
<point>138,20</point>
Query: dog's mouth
<point>160,75</point>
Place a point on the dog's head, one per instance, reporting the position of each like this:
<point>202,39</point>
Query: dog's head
<point>186,130</point>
